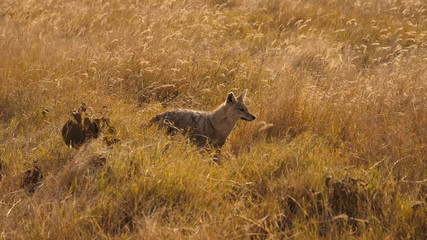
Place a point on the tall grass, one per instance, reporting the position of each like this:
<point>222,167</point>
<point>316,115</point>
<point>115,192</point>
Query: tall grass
<point>341,84</point>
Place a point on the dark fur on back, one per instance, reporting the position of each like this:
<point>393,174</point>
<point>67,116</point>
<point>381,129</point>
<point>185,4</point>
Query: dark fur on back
<point>189,122</point>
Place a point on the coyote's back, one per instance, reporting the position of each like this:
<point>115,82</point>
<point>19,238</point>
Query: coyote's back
<point>180,119</point>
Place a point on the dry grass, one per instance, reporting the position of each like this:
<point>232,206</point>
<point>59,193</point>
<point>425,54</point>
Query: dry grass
<point>342,82</point>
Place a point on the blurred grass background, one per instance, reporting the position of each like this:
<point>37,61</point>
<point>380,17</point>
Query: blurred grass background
<point>342,82</point>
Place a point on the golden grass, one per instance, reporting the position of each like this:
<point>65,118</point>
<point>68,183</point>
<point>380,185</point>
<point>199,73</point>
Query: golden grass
<point>343,84</point>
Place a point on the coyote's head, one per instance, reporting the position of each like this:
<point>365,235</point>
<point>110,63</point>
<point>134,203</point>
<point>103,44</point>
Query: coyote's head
<point>236,108</point>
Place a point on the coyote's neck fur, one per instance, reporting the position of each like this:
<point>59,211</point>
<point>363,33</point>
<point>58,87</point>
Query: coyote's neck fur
<point>221,122</point>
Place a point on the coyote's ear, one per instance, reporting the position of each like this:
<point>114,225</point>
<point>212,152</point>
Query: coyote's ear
<point>241,98</point>
<point>231,98</point>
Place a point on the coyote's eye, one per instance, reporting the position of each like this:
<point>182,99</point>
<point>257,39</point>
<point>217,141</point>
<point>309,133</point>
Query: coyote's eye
<point>241,109</point>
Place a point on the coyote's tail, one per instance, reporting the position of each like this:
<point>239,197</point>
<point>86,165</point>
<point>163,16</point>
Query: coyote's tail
<point>156,119</point>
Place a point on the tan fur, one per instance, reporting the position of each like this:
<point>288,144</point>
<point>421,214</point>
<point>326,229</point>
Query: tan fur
<point>207,128</point>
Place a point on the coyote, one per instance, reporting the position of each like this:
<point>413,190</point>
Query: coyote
<point>206,128</point>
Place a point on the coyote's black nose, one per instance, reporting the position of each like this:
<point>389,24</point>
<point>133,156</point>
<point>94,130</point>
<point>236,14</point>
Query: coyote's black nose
<point>251,118</point>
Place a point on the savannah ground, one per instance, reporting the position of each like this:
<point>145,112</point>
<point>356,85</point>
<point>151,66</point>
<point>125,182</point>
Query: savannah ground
<point>343,83</point>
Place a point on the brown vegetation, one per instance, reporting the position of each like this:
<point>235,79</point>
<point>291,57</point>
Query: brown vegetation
<point>338,89</point>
